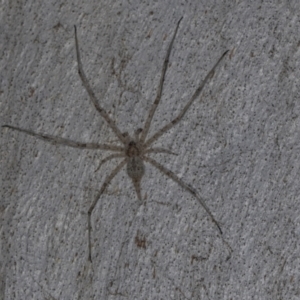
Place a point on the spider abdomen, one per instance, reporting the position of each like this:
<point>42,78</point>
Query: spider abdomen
<point>135,167</point>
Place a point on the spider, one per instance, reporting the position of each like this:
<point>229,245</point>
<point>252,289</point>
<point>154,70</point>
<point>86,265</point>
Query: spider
<point>134,150</point>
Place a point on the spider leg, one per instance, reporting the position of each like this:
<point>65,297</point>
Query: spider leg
<point>159,150</point>
<point>93,98</point>
<point>106,182</point>
<point>175,178</point>
<point>106,159</point>
<point>66,142</point>
<point>182,113</point>
<point>160,88</point>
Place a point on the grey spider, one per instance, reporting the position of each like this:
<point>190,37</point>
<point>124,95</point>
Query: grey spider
<point>134,149</point>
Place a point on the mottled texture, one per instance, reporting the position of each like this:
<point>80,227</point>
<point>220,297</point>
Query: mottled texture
<point>238,145</point>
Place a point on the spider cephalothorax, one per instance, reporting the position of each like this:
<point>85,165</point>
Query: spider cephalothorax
<point>133,151</point>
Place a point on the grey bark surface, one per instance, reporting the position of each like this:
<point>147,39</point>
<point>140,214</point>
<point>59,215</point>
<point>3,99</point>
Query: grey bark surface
<point>237,146</point>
